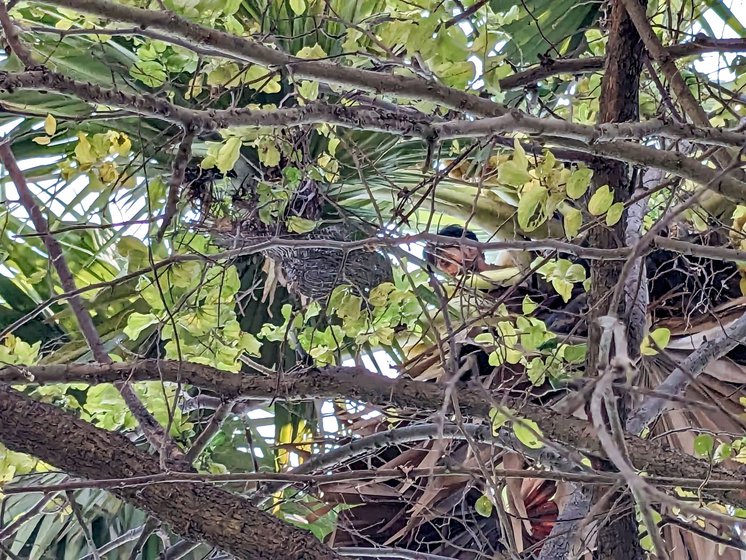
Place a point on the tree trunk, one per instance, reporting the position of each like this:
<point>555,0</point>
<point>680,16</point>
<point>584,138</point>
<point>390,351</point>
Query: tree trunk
<point>196,511</point>
<point>617,540</point>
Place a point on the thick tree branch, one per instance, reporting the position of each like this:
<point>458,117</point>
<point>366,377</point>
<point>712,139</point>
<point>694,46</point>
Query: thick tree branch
<point>257,53</point>
<point>359,384</point>
<point>379,119</point>
<point>195,511</point>
<point>578,137</point>
<point>152,430</point>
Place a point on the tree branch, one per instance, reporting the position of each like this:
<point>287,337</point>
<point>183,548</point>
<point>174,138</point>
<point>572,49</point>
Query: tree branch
<point>359,384</point>
<point>196,511</point>
<point>14,41</point>
<point>256,53</point>
<point>577,137</point>
<point>150,427</point>
<point>700,45</point>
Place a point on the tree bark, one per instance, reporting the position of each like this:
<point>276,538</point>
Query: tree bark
<point>197,512</point>
<point>619,103</point>
<point>618,539</point>
<point>359,384</point>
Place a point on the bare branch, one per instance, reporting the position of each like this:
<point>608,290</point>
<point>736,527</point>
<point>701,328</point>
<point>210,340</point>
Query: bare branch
<point>679,379</point>
<point>700,45</point>
<point>14,41</point>
<point>181,160</point>
<point>577,137</point>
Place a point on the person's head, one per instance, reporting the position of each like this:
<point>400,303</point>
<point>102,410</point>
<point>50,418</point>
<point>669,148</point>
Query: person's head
<point>455,259</point>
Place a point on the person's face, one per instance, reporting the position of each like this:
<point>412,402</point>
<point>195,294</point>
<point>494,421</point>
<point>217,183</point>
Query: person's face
<point>459,260</point>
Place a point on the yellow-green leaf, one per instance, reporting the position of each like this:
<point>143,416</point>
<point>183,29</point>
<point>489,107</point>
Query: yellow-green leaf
<point>660,337</point>
<point>483,506</point>
<point>137,322</point>
<point>532,208</point>
<point>578,183</point>
<point>614,214</point>
<point>269,155</point>
<point>311,52</point>
<point>298,6</point>
<point>149,72</point>
<point>84,151</point>
<point>50,125</point>
<point>41,140</point>
<point>601,201</point>
<point>528,433</point>
<point>528,305</point>
<point>308,90</point>
<point>228,154</point>
<point>572,220</point>
<point>498,419</point>
<point>513,173</point>
<point>296,224</point>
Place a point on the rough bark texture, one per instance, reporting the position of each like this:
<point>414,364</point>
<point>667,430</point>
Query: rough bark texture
<point>360,384</point>
<point>619,103</point>
<point>197,512</point>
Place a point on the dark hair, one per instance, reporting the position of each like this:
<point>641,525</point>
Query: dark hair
<point>450,231</point>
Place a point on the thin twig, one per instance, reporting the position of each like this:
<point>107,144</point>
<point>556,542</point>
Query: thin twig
<point>149,425</point>
<point>181,160</point>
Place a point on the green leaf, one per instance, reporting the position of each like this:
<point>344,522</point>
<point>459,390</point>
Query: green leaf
<point>149,72</point>
<point>228,154</point>
<point>601,201</point>
<point>532,208</point>
<point>483,506</point>
<point>298,6</point>
<point>614,214</point>
<point>703,445</point>
<point>528,433</point>
<point>578,183</point>
<point>138,322</point>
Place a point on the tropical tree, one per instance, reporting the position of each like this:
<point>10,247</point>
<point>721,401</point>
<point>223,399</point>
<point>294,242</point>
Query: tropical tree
<point>221,336</point>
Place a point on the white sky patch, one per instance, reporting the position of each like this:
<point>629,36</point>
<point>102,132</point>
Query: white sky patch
<point>715,65</point>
